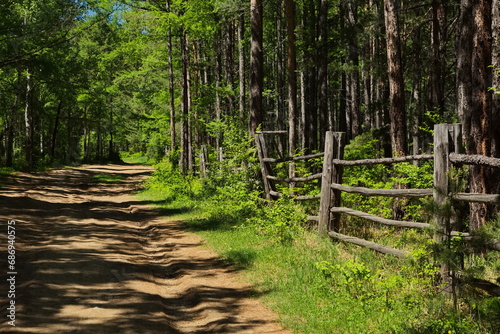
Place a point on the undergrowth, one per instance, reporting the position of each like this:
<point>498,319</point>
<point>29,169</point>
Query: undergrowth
<point>316,285</point>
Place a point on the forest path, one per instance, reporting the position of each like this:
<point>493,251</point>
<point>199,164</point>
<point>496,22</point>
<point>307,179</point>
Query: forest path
<point>92,259</point>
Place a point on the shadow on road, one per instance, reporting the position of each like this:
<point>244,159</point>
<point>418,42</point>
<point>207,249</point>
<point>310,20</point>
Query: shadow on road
<point>91,259</point>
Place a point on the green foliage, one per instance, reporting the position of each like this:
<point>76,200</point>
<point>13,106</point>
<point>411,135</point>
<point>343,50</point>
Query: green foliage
<point>173,185</point>
<point>282,220</point>
<point>366,146</point>
<point>107,178</point>
<point>309,279</point>
<point>135,158</point>
<point>231,204</point>
<point>436,116</point>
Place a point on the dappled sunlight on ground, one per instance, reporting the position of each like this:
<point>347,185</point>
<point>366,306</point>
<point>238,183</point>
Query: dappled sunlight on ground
<point>92,259</point>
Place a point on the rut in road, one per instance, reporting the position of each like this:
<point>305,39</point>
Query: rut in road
<point>92,259</point>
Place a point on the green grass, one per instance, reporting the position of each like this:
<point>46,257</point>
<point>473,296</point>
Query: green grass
<point>307,301</point>
<point>316,285</point>
<point>107,178</point>
<point>136,158</point>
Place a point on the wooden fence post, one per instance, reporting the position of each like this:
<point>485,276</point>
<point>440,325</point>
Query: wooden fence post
<point>334,142</point>
<point>338,171</point>
<point>447,139</point>
<point>265,167</point>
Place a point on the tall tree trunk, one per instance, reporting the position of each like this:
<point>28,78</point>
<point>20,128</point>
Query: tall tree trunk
<point>111,133</point>
<point>280,79</point>
<point>495,145</point>
<point>480,141</point>
<point>367,79</point>
<point>218,103</point>
<point>397,112</point>
<point>309,19</point>
<point>464,70</point>
<point>184,161</point>
<point>171,90</point>
<point>495,117</point>
<point>86,135</point>
<point>438,56</point>
<point>9,147</point>
<point>353,64</point>
<point>69,141</point>
<point>256,66</point>
<point>54,133</point>
<point>396,82</point>
<point>302,117</point>
<point>229,68</point>
<point>292,84</point>
<point>241,67</point>
<point>28,121</point>
<point>325,117</point>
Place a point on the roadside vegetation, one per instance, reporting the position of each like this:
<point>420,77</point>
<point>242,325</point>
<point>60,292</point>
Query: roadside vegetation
<point>317,285</point>
<point>107,178</point>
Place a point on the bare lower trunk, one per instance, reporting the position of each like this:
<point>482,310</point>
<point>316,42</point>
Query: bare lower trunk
<point>29,126</point>
<point>480,131</point>
<point>396,82</point>
<point>256,66</point>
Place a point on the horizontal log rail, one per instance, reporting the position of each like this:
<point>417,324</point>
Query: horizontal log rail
<point>383,161</point>
<point>297,198</point>
<point>471,159</point>
<point>384,221</point>
<point>276,132</point>
<point>275,194</point>
<point>477,198</point>
<point>446,152</point>
<point>490,244</point>
<point>295,179</point>
<point>307,197</point>
<point>297,158</point>
<point>369,244</point>
<point>383,192</point>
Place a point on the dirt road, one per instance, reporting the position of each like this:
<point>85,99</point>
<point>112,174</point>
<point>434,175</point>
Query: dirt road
<point>90,258</point>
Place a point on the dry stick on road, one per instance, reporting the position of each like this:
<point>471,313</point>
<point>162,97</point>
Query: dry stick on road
<point>92,259</point>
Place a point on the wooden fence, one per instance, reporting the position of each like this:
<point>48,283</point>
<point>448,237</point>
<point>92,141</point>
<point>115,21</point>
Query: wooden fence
<point>447,152</point>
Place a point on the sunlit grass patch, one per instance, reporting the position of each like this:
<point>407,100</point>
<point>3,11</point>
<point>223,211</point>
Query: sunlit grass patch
<point>107,178</point>
<point>319,285</point>
<point>136,159</point>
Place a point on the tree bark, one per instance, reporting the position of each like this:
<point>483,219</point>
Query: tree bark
<point>54,133</point>
<point>241,66</point>
<point>325,123</point>
<point>28,121</point>
<point>292,85</point>
<point>481,112</point>
<point>184,161</point>
<point>438,56</point>
<point>281,81</point>
<point>171,88</point>
<point>256,66</point>
<point>495,146</point>
<point>353,64</point>
<point>464,70</point>
<point>396,82</point>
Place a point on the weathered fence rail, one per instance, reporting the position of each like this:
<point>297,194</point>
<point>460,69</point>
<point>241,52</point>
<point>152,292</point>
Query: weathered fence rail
<point>447,152</point>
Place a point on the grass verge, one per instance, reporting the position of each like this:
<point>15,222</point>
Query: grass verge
<point>316,285</point>
<point>107,178</point>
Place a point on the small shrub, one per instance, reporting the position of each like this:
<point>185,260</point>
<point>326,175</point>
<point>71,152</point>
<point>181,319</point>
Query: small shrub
<point>282,220</point>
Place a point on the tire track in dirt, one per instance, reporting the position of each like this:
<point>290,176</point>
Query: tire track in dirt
<point>92,259</point>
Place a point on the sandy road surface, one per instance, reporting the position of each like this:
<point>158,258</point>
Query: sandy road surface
<point>92,259</point>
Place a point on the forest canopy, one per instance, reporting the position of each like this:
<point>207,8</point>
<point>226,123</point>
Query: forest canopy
<point>86,80</point>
